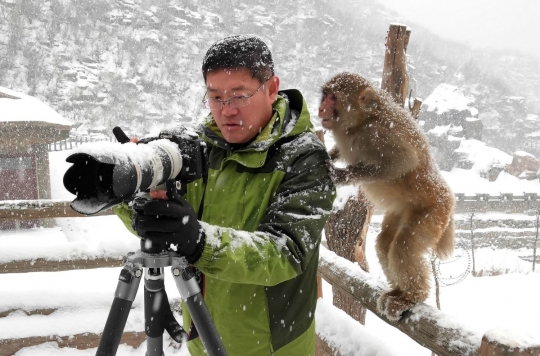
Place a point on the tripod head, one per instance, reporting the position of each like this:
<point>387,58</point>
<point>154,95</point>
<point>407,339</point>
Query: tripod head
<point>151,247</point>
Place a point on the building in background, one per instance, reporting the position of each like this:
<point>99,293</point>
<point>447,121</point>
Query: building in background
<point>27,126</point>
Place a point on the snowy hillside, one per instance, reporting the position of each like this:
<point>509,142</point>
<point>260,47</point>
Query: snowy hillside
<point>127,63</point>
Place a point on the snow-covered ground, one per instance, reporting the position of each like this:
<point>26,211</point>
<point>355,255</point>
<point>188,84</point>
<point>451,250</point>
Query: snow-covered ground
<point>83,298</point>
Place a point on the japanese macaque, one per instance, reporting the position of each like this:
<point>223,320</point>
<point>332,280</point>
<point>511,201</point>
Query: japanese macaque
<point>388,156</point>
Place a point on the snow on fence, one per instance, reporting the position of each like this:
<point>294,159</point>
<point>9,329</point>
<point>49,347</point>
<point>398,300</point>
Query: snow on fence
<point>527,203</point>
<point>426,325</point>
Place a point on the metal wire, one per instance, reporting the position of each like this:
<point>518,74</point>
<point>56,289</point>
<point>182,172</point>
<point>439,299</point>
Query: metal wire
<point>450,281</point>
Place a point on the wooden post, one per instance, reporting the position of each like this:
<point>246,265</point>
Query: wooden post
<point>407,37</point>
<point>395,79</point>
<point>346,232</point>
<point>415,109</point>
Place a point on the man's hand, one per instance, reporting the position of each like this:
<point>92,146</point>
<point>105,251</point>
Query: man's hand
<point>159,194</point>
<point>171,221</point>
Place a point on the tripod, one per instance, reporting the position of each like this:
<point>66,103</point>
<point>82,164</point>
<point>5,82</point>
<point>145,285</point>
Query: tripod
<point>157,312</point>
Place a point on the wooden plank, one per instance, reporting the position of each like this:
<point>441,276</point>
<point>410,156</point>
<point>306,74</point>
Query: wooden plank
<point>45,311</point>
<point>9,347</point>
<point>40,209</point>
<point>425,324</point>
<point>509,347</point>
<point>43,265</point>
<point>323,349</point>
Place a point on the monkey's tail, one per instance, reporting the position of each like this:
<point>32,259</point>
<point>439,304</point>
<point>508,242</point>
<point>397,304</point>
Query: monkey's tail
<point>445,246</point>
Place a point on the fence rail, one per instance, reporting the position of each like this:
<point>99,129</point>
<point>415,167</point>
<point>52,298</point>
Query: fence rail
<point>527,203</point>
<point>40,209</point>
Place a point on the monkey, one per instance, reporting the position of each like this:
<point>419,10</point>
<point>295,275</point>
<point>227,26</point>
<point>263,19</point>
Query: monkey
<point>387,155</point>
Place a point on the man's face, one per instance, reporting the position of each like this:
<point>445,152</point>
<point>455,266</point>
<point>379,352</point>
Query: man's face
<point>240,125</point>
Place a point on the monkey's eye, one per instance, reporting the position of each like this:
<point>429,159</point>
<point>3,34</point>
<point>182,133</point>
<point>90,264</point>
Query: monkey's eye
<point>327,95</point>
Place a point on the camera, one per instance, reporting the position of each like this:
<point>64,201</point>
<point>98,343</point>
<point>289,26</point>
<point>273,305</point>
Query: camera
<point>105,174</point>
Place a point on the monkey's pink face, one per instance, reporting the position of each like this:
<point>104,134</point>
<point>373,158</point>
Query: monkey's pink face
<point>327,110</point>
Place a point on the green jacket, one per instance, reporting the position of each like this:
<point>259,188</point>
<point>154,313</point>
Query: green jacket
<point>263,212</point>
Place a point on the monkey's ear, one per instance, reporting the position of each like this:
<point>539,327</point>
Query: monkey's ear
<point>367,97</point>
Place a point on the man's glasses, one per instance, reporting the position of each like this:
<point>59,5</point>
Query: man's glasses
<point>235,101</point>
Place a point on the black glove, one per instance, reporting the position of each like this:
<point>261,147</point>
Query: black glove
<point>171,221</point>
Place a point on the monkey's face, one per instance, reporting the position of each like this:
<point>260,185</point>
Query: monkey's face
<point>348,100</point>
<point>327,110</point>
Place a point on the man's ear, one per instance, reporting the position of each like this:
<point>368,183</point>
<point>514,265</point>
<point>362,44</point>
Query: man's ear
<point>366,97</point>
<point>273,87</point>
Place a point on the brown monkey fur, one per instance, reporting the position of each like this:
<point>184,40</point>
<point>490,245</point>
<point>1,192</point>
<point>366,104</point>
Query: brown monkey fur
<point>388,155</point>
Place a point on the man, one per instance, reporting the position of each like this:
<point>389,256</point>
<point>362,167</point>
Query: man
<point>260,209</point>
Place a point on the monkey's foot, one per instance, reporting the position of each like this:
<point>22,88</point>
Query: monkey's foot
<point>383,299</point>
<point>396,305</point>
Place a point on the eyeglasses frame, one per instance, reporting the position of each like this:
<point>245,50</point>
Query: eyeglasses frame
<point>224,102</point>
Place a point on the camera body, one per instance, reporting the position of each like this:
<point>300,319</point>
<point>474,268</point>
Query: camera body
<point>191,149</point>
<point>105,174</point>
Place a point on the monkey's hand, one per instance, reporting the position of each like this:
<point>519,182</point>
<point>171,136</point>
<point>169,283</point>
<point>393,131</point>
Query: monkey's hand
<point>334,154</point>
<point>354,173</point>
<point>340,176</point>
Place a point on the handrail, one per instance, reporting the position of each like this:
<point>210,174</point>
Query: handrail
<point>528,203</point>
<point>41,209</point>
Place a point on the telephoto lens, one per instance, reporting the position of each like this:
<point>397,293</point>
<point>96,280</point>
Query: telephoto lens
<point>105,174</point>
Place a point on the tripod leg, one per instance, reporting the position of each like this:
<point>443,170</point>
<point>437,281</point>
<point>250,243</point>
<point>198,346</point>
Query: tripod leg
<point>126,290</point>
<point>191,293</point>
<point>154,295</point>
<point>158,314</point>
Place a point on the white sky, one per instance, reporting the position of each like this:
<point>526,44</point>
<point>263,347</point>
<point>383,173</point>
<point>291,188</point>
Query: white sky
<point>481,23</point>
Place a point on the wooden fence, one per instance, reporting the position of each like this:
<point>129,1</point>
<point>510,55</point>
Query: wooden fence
<point>75,141</point>
<point>528,203</point>
<point>425,324</point>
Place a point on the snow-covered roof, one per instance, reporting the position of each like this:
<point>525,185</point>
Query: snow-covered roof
<point>448,97</point>
<point>16,106</point>
<point>524,154</point>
